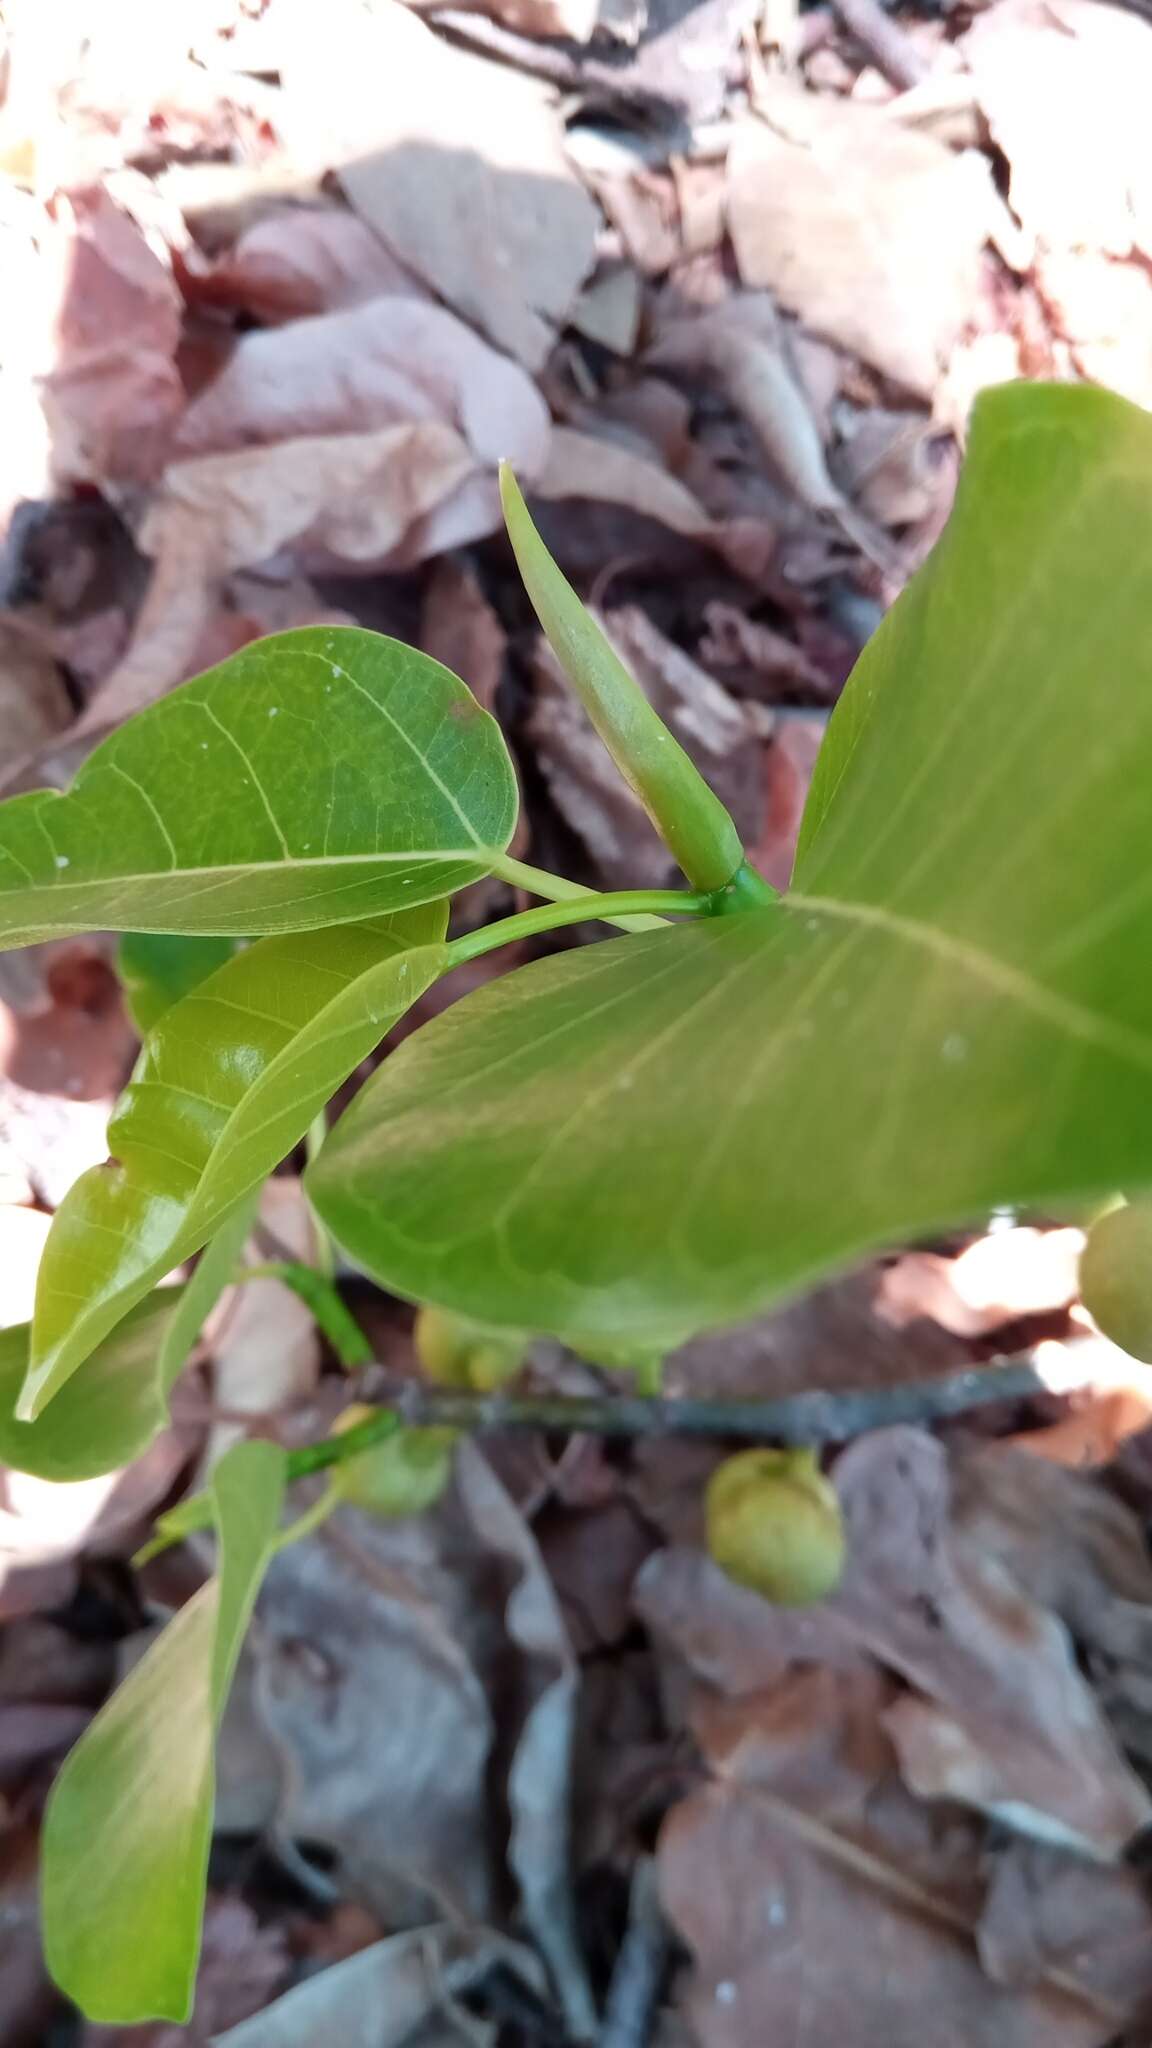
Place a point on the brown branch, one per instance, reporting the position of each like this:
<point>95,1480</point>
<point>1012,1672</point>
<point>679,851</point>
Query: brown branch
<point>814,1416</point>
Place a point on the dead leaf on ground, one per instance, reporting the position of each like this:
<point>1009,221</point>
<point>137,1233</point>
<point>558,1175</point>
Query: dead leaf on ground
<point>449,1618</point>
<point>871,232</point>
<point>1000,1718</point>
<point>300,260</point>
<point>589,466</point>
<point>337,499</point>
<point>111,392</point>
<point>783,1918</point>
<point>34,703</point>
<point>459,627</point>
<point>386,1996</point>
<point>457,164</point>
<point>1073,1546</point>
<point>995,1280</point>
<point>789,766</point>
<point>1065,88</point>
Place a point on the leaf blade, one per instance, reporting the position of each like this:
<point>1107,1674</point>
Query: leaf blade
<point>321,776</point>
<point>952,1008</point>
<point>128,1823</point>
<point>227,1085</point>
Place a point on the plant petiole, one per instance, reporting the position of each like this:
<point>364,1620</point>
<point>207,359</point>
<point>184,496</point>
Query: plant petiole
<point>550,916</point>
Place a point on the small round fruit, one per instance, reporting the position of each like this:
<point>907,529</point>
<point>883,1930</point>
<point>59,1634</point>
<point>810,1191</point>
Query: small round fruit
<point>455,1351</point>
<point>404,1474</point>
<point>774,1524</point>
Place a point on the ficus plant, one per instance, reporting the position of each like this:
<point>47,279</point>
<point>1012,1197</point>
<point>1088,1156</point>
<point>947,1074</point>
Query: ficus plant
<point>619,1145</point>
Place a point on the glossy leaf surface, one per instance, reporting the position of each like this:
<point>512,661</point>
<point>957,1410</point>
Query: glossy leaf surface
<point>952,1008</point>
<point>108,1413</point>
<point>317,777</point>
<point>228,1083</point>
<point>157,968</point>
<point>127,1830</point>
<point>1116,1276</point>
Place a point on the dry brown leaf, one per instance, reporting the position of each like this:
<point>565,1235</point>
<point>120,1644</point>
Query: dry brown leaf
<point>1000,1719</point>
<point>387,362</point>
<point>34,703</point>
<point>457,164</point>
<point>459,628</point>
<point>1071,1545</point>
<point>995,1280</point>
<point>784,1917</point>
<point>300,260</point>
<point>346,499</point>
<point>608,309</point>
<point>871,232</point>
<point>587,466</point>
<point>1065,87</point>
<point>1048,1912</point>
<point>892,464</point>
<point>386,1996</point>
<point>449,1618</point>
<point>111,392</point>
<point>789,767</point>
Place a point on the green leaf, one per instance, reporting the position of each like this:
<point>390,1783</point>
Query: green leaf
<point>129,1821</point>
<point>687,814</point>
<point>317,777</point>
<point>1116,1276</point>
<point>157,968</point>
<point>110,1411</point>
<point>952,1008</point>
<point>227,1084</point>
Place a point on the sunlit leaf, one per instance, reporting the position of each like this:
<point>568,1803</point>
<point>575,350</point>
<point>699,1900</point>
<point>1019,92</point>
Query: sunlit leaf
<point>316,777</point>
<point>126,1835</point>
<point>109,1412</point>
<point>228,1083</point>
<point>952,1008</point>
<point>157,968</point>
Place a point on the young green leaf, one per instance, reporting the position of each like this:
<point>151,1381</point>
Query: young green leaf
<point>317,777</point>
<point>952,1008</point>
<point>128,1825</point>
<point>157,968</point>
<point>1116,1276</point>
<point>228,1083</point>
<point>110,1411</point>
<point>689,817</point>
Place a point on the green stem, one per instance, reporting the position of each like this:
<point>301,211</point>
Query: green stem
<point>527,923</point>
<point>746,891</point>
<point>320,1297</point>
<point>558,889</point>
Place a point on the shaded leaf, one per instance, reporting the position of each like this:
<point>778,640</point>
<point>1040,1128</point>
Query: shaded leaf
<point>1116,1276</point>
<point>228,1083</point>
<point>321,775</point>
<point>952,1009</point>
<point>127,1829</point>
<point>157,968</point>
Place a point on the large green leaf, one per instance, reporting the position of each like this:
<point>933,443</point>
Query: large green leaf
<point>317,777</point>
<point>228,1083</point>
<point>108,1413</point>
<point>127,1831</point>
<point>953,1006</point>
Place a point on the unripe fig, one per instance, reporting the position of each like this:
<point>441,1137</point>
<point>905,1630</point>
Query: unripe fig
<point>455,1351</point>
<point>774,1524</point>
<point>403,1474</point>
